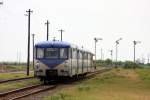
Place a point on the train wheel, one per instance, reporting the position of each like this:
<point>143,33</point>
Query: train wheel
<point>41,79</point>
<point>45,81</point>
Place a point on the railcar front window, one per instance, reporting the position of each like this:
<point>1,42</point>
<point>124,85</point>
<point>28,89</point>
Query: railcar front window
<point>63,53</point>
<point>40,53</point>
<point>51,53</point>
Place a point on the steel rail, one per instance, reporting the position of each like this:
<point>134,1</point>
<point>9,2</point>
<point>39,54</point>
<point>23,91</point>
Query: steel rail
<point>30,90</point>
<point>23,92</point>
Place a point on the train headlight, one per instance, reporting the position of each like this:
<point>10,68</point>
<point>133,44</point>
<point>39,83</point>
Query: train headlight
<point>37,65</point>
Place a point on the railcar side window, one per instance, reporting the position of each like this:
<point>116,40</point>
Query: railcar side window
<point>51,53</point>
<point>89,56</point>
<point>80,55</point>
<point>70,52</point>
<point>63,53</point>
<point>40,52</point>
<point>85,55</point>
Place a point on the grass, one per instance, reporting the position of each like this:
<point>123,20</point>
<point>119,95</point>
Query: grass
<point>117,84</point>
<point>144,74</point>
<point>14,68</point>
<point>4,76</point>
<point>19,84</point>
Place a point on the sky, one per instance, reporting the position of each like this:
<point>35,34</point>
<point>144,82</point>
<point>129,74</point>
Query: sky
<point>82,20</point>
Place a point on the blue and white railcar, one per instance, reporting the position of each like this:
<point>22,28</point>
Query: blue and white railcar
<point>55,59</point>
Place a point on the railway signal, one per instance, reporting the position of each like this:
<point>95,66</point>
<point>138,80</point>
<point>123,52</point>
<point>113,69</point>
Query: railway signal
<point>47,24</point>
<point>134,44</point>
<point>96,40</point>
<point>111,54</point>
<point>28,56</point>
<point>117,43</point>
<point>148,58</point>
<point>61,30</point>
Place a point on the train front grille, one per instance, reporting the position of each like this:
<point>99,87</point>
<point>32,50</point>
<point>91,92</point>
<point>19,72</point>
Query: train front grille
<point>51,73</point>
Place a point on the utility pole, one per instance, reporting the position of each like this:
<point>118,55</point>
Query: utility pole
<point>96,40</point>
<point>148,59</point>
<point>1,3</point>
<point>111,55</point>
<point>134,44</point>
<point>117,42</point>
<point>33,49</point>
<point>47,24</point>
<point>61,30</point>
<point>54,38</point>
<point>19,58</point>
<point>101,54</point>
<point>28,56</point>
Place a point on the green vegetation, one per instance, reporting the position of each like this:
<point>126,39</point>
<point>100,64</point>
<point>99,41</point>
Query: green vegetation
<point>125,64</point>
<point>5,76</point>
<point>104,63</point>
<point>19,84</point>
<point>130,64</point>
<point>117,84</point>
<point>144,74</point>
<point>13,66</point>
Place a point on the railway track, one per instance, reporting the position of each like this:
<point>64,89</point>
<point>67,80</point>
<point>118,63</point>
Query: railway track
<point>23,92</point>
<point>17,79</point>
<point>92,74</point>
<point>99,71</point>
<point>27,91</point>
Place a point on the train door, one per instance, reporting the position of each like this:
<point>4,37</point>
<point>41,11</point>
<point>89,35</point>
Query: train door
<point>82,62</point>
<point>89,61</point>
<point>74,61</point>
<point>70,57</point>
<point>86,62</point>
<point>78,61</point>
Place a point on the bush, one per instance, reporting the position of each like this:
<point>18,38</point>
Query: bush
<point>108,62</point>
<point>130,64</point>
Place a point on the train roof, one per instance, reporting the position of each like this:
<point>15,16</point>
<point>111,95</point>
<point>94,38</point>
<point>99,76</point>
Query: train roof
<point>53,44</point>
<point>58,44</point>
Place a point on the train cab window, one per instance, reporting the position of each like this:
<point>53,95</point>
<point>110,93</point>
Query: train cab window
<point>64,53</point>
<point>51,53</point>
<point>40,53</point>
